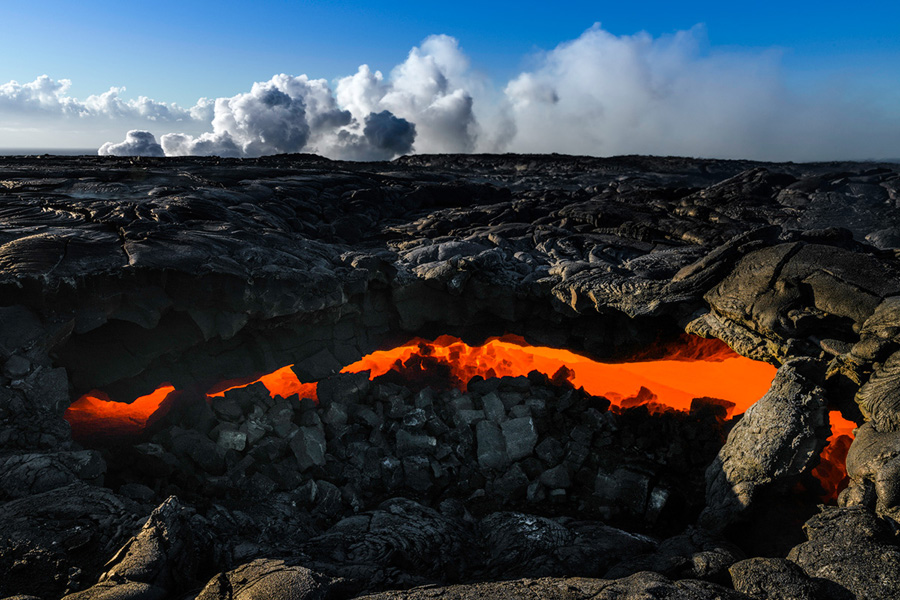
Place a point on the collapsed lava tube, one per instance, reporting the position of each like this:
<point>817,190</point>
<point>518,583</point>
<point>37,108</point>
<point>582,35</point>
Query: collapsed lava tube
<point>664,377</point>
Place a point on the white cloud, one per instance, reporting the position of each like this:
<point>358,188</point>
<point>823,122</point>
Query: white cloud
<point>599,94</point>
<point>42,113</point>
<point>137,143</point>
<point>50,96</point>
<point>205,144</point>
<point>604,94</point>
<point>41,95</point>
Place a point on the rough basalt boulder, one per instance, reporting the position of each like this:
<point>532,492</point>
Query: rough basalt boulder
<point>776,441</point>
<point>879,397</point>
<point>853,550</point>
<point>874,461</point>
<point>267,578</point>
<point>163,557</point>
<point>779,579</point>
<point>877,335</point>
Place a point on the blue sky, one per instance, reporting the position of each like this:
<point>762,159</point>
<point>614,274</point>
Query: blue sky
<point>181,51</point>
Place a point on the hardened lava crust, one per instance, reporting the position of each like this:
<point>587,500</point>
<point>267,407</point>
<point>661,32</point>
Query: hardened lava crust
<point>121,273</point>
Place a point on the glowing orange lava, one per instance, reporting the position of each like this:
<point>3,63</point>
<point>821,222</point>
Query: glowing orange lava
<point>699,368</point>
<point>832,470</point>
<point>95,415</point>
<point>691,368</point>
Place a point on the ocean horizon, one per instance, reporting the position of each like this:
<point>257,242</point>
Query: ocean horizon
<point>50,151</point>
<point>93,152</point>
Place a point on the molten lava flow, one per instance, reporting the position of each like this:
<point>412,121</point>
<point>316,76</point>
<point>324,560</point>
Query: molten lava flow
<point>96,416</point>
<point>666,376</point>
<point>832,469</point>
<point>706,368</point>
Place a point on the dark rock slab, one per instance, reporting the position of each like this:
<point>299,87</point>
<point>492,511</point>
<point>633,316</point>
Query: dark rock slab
<point>27,474</point>
<point>649,586</point>
<point>59,540</point>
<point>694,554</point>
<point>400,535</point>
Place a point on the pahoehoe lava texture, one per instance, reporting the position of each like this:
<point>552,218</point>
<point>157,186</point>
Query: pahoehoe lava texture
<point>120,274</point>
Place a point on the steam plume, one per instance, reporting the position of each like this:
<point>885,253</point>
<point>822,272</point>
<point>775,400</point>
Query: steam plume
<point>599,94</point>
<point>137,143</point>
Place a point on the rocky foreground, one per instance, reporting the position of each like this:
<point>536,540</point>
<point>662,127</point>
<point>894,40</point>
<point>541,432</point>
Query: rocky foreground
<point>120,274</point>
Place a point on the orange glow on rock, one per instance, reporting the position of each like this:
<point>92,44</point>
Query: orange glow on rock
<point>283,382</point>
<point>832,470</point>
<point>96,416</point>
